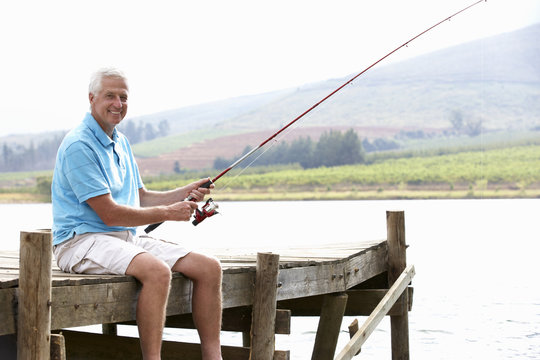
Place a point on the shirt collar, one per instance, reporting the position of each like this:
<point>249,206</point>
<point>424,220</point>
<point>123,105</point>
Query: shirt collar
<point>103,138</point>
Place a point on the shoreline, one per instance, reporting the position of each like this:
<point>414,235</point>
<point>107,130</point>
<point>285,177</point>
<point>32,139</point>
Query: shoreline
<point>372,193</point>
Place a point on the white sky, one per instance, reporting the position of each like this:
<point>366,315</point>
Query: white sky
<point>179,53</point>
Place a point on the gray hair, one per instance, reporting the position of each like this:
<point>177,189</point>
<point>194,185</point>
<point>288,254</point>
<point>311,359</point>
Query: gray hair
<point>95,81</point>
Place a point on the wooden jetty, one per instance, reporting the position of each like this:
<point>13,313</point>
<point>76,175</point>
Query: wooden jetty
<point>39,303</point>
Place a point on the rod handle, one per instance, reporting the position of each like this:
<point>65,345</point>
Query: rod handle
<point>206,185</point>
<point>152,227</point>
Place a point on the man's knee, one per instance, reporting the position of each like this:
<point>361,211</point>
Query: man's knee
<point>214,267</point>
<point>148,269</point>
<point>199,267</point>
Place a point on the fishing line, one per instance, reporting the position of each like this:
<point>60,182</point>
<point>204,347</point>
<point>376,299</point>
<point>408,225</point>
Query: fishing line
<point>268,148</point>
<point>201,215</point>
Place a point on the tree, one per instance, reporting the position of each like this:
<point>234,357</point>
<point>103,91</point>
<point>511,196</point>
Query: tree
<point>149,132</point>
<point>456,119</point>
<point>332,149</point>
<point>335,148</point>
<point>163,127</point>
<point>301,152</point>
<point>177,169</point>
<point>131,131</point>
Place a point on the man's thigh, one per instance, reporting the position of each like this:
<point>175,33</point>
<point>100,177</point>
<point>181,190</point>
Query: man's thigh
<point>166,251</point>
<point>97,253</point>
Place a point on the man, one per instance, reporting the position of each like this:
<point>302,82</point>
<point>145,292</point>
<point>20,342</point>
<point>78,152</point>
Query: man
<point>98,201</point>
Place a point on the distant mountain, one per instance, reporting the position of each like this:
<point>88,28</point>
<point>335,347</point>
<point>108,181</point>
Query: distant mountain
<point>495,81</point>
<point>208,114</point>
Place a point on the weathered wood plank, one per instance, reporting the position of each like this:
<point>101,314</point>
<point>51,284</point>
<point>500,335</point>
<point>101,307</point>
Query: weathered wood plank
<point>88,346</point>
<point>337,276</point>
<point>397,261</point>
<point>79,300</point>
<point>34,312</point>
<point>329,327</point>
<point>264,307</point>
<point>378,314</point>
<point>58,347</point>
<point>8,310</point>
<point>234,319</point>
<point>361,303</point>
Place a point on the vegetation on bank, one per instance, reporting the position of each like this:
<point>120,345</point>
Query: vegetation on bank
<point>508,172</point>
<point>505,172</point>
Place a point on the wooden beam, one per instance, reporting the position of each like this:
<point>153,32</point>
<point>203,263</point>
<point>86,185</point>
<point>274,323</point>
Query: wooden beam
<point>34,308</point>
<point>58,347</point>
<point>89,346</point>
<point>333,308</point>
<point>361,303</point>
<point>397,261</point>
<point>109,329</point>
<point>332,277</point>
<point>378,314</point>
<point>8,311</point>
<point>353,329</point>
<point>233,319</point>
<point>264,307</point>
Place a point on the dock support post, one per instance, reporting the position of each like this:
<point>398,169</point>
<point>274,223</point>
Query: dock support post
<point>332,311</point>
<point>58,347</point>
<point>34,308</point>
<point>397,261</point>
<point>264,307</point>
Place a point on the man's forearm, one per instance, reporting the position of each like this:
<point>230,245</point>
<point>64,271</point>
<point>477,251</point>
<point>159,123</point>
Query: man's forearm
<point>127,216</point>
<point>150,198</point>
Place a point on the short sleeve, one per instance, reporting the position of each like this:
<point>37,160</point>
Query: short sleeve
<point>84,172</point>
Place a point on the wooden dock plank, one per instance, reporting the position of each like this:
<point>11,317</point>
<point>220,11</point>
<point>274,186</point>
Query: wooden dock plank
<point>79,300</point>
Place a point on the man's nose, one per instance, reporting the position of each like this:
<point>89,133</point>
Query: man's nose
<point>117,101</point>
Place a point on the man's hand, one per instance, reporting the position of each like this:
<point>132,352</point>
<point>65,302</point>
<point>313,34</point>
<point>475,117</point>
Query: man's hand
<point>181,211</point>
<point>196,190</point>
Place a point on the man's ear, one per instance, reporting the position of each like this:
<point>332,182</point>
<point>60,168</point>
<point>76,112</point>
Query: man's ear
<point>91,98</point>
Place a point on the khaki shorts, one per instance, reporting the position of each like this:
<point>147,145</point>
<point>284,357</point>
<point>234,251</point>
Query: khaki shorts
<point>111,253</point>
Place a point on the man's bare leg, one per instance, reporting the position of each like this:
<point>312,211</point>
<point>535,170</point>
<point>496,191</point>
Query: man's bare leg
<point>205,273</point>
<point>155,277</point>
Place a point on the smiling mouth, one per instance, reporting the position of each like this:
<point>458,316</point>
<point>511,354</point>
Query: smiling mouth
<point>115,112</point>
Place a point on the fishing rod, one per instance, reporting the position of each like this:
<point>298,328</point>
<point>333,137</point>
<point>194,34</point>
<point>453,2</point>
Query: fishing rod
<point>210,207</point>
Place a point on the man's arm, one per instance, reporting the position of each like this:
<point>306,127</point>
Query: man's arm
<point>114,214</point>
<point>156,198</point>
<point>156,206</point>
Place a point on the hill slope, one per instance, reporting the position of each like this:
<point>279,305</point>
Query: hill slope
<point>496,79</point>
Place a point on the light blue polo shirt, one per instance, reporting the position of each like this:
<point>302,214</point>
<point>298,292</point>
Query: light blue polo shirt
<point>88,164</point>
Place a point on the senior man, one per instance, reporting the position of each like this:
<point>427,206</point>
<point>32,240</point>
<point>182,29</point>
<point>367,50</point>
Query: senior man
<point>99,199</point>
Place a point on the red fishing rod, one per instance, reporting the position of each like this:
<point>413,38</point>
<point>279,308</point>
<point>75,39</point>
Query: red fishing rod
<point>209,208</point>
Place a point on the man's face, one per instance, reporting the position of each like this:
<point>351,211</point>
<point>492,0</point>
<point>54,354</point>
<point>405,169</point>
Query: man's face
<point>109,105</point>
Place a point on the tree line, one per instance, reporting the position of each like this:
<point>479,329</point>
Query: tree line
<point>139,132</point>
<point>334,148</point>
<point>19,157</point>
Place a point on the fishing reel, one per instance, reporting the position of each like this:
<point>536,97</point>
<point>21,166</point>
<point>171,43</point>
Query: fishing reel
<point>206,211</point>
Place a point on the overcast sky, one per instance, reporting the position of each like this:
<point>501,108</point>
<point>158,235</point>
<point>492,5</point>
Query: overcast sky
<point>179,53</point>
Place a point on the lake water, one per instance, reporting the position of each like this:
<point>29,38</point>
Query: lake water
<point>477,288</point>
